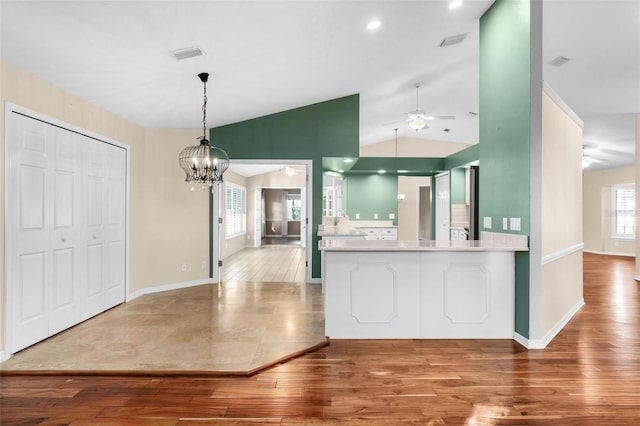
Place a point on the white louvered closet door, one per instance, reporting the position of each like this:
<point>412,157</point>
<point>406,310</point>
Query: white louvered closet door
<point>65,239</point>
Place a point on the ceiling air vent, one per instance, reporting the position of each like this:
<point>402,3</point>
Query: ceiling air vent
<point>187,52</point>
<point>559,61</point>
<point>453,40</point>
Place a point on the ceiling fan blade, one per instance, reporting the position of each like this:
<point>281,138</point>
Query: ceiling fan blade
<point>440,117</point>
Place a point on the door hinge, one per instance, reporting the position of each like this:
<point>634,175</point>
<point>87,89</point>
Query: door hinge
<point>306,264</point>
<point>306,221</point>
<point>220,220</point>
<point>220,263</point>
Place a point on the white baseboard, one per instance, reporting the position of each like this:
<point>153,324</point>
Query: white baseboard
<point>544,342</point>
<point>4,356</point>
<point>521,339</point>
<point>167,287</point>
<point>609,253</point>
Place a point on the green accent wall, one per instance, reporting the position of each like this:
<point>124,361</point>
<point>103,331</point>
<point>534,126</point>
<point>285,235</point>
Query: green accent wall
<point>326,129</point>
<point>462,158</point>
<point>505,129</point>
<point>370,194</point>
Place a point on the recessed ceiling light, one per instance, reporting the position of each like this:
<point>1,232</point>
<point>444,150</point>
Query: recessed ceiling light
<point>374,24</point>
<point>455,4</point>
<point>348,160</point>
<point>403,171</point>
<point>340,171</point>
<point>382,171</point>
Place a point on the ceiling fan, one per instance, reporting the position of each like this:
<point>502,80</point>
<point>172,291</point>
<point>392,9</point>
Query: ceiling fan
<point>292,171</point>
<point>417,119</point>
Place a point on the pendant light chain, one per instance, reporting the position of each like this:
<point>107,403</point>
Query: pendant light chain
<point>204,113</point>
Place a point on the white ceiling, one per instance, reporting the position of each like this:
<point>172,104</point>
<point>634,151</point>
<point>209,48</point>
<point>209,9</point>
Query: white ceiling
<point>269,56</point>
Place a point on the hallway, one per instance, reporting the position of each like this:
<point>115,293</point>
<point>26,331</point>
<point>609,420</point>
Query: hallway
<point>268,263</point>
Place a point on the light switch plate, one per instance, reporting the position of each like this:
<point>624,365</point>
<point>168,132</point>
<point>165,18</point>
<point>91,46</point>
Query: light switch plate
<point>392,215</point>
<point>505,223</point>
<point>514,223</point>
<point>375,215</point>
<point>357,215</point>
<point>486,222</point>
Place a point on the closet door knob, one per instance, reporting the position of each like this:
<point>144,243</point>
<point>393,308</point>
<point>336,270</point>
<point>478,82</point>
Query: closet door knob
<point>64,240</point>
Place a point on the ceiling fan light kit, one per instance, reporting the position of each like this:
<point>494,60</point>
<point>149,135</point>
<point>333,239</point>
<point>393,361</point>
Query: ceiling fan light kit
<point>417,119</point>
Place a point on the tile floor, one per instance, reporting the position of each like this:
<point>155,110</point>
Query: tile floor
<point>268,263</point>
<point>232,327</point>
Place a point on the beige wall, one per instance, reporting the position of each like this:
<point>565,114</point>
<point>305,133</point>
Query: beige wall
<point>168,223</point>
<point>408,208</point>
<point>637,176</point>
<point>597,211</point>
<point>561,216</point>
<point>409,147</point>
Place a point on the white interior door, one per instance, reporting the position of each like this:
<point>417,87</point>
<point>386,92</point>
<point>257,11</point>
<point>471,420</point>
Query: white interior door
<point>28,225</point>
<point>303,217</point>
<point>65,228</point>
<point>115,225</point>
<point>95,177</point>
<point>66,231</point>
<point>442,207</point>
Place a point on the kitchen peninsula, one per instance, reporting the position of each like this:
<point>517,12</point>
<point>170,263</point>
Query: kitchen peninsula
<point>420,289</point>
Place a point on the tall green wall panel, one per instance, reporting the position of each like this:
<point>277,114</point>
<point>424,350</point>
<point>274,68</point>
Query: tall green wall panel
<point>505,84</point>
<point>326,129</point>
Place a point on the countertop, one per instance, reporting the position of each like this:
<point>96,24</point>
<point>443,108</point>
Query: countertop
<point>425,245</point>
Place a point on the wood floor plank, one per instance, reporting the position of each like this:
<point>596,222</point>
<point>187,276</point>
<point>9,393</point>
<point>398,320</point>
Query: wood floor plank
<point>589,375</point>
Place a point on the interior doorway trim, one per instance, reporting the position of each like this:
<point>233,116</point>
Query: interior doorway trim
<point>215,238</point>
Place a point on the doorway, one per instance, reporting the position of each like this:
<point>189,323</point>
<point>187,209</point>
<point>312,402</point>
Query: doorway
<point>424,212</point>
<point>275,214</point>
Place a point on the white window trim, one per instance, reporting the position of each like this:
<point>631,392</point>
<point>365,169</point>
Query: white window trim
<point>226,218</point>
<point>614,234</point>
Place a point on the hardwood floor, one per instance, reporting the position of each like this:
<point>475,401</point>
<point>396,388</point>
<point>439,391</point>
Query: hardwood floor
<point>589,375</point>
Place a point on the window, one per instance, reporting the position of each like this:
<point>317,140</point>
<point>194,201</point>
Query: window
<point>623,211</point>
<point>294,207</point>
<point>235,210</point>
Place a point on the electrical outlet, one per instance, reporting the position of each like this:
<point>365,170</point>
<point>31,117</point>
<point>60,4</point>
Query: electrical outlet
<point>515,223</point>
<point>375,215</point>
<point>486,222</point>
<point>392,215</point>
<point>357,215</point>
<point>203,264</point>
<point>183,267</point>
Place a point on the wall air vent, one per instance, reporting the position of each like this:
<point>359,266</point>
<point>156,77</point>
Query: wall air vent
<point>453,40</point>
<point>187,52</point>
<point>559,61</point>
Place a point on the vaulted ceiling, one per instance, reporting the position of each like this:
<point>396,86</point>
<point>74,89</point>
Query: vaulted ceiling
<point>269,56</point>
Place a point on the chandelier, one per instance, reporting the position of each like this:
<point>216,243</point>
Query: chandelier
<point>204,163</point>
